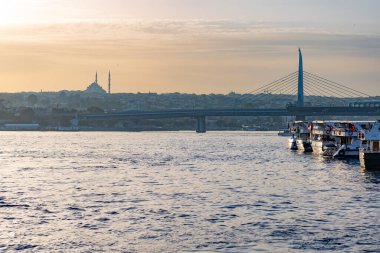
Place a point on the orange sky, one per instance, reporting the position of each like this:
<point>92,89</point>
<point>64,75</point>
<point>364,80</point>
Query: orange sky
<point>55,48</point>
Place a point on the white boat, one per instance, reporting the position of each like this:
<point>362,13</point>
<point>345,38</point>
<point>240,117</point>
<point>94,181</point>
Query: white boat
<point>346,137</point>
<point>369,154</point>
<point>249,128</point>
<point>293,143</point>
<point>300,139</point>
<point>284,132</point>
<point>321,140</point>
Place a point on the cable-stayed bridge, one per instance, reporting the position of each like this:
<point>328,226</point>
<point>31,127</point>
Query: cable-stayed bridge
<point>307,95</point>
<point>317,91</point>
<point>308,89</point>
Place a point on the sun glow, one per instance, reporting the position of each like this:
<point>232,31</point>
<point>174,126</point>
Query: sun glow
<point>179,45</point>
<point>21,12</point>
<point>5,13</point>
<point>12,12</point>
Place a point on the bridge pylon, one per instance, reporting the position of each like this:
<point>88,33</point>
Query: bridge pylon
<point>300,100</point>
<point>300,97</point>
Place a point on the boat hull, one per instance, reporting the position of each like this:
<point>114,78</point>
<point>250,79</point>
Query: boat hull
<point>369,161</point>
<point>317,146</point>
<point>304,146</point>
<point>285,134</point>
<point>323,148</point>
<point>293,144</point>
<point>348,153</point>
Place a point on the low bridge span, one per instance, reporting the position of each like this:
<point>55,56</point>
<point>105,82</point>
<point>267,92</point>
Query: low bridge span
<point>187,113</point>
<point>201,115</point>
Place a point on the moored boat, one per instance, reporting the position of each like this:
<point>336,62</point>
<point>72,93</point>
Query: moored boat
<point>249,128</point>
<point>369,154</point>
<point>293,143</point>
<point>322,141</point>
<point>346,135</point>
<point>300,139</point>
<point>284,132</point>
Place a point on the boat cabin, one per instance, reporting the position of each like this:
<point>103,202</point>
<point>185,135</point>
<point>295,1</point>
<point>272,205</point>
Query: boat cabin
<point>370,147</point>
<point>299,129</point>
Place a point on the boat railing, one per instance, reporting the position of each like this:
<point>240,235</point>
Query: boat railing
<point>344,132</point>
<point>321,131</point>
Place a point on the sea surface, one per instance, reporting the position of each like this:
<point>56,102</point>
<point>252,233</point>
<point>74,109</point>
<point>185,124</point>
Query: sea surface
<point>180,192</point>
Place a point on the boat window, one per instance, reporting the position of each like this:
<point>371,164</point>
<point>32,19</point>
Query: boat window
<point>375,146</point>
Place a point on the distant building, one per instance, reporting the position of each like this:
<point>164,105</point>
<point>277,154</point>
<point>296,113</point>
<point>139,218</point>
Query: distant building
<point>21,127</point>
<point>95,87</point>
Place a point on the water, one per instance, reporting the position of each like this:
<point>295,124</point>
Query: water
<point>180,192</point>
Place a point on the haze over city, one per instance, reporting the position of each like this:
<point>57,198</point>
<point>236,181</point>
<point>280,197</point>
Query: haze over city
<point>189,126</point>
<point>206,46</point>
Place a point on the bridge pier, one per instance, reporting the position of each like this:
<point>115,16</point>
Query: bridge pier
<point>201,124</point>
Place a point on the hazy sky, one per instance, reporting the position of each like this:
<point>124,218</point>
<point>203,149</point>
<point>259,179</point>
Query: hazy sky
<point>201,46</point>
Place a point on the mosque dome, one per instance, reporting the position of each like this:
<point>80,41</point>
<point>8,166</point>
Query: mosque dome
<point>95,87</point>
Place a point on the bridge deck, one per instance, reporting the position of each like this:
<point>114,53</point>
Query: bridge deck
<point>290,111</point>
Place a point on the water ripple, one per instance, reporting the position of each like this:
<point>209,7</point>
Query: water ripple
<point>180,192</point>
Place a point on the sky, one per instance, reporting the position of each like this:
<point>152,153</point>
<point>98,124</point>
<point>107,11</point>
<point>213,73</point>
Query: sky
<point>192,46</point>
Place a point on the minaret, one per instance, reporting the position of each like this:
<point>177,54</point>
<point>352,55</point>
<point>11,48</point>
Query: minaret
<point>109,82</point>
<point>96,77</point>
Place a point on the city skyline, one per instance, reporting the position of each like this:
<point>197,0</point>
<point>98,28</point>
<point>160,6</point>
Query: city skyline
<point>174,46</point>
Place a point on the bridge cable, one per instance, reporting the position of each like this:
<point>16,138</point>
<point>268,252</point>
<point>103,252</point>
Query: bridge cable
<point>275,82</point>
<point>268,96</point>
<point>278,88</point>
<point>338,85</point>
<point>285,88</point>
<point>321,90</point>
<point>318,93</point>
<point>336,91</point>
<point>291,90</point>
<point>310,97</point>
<point>328,87</point>
<point>292,94</point>
<point>315,99</point>
<point>323,93</point>
<point>271,84</point>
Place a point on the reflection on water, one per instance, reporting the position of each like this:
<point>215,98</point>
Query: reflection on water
<point>371,177</point>
<point>180,192</point>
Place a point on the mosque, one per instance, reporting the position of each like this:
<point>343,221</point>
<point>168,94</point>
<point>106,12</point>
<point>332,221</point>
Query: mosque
<point>95,88</point>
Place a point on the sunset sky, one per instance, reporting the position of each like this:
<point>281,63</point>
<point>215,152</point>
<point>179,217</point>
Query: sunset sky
<point>193,46</point>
